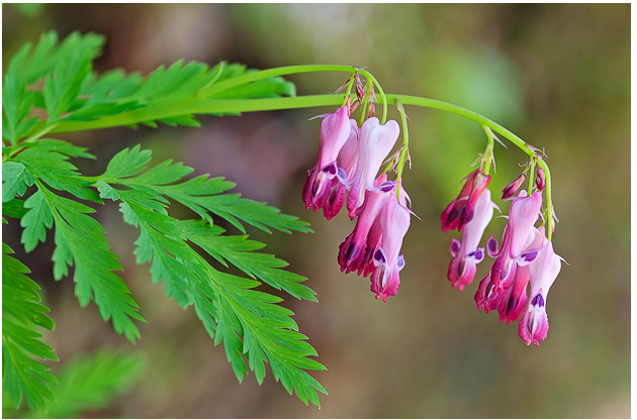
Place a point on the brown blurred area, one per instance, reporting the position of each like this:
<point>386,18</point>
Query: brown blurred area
<point>557,75</point>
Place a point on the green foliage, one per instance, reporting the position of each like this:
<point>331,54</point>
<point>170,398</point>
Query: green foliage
<point>226,304</point>
<point>22,314</point>
<point>43,189</point>
<point>87,383</point>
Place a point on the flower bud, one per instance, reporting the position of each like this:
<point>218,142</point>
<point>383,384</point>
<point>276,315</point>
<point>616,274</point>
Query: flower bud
<point>510,190</point>
<point>540,183</point>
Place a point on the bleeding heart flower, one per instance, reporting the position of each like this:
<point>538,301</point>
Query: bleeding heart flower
<point>504,287</point>
<point>335,131</point>
<point>461,210</point>
<point>376,141</point>
<point>394,222</point>
<point>534,324</point>
<point>466,253</point>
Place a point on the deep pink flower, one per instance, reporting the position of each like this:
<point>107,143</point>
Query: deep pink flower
<point>509,299</point>
<point>352,251</point>
<point>534,324</point>
<point>504,288</point>
<point>376,141</point>
<point>465,252</point>
<point>394,222</point>
<point>460,211</point>
<point>373,242</point>
<point>335,130</point>
<point>346,165</point>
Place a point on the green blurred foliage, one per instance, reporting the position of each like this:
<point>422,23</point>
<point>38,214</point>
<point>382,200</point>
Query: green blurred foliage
<point>558,75</point>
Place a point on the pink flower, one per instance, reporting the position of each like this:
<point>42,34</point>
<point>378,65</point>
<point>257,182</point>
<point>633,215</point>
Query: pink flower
<point>534,324</point>
<point>509,300</point>
<point>346,162</point>
<point>460,211</point>
<point>335,131</point>
<point>466,253</point>
<point>394,222</point>
<point>352,251</point>
<point>376,141</point>
<point>504,288</point>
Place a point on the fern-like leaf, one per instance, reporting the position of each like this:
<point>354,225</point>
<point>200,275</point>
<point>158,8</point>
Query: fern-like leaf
<point>80,241</point>
<point>250,323</point>
<point>23,374</point>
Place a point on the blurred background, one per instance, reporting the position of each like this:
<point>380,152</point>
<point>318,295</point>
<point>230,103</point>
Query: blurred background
<point>556,75</point>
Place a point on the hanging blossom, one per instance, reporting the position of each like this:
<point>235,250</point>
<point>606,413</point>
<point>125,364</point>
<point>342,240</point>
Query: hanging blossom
<point>394,223</point>
<point>336,129</point>
<point>504,289</point>
<point>376,141</point>
<point>355,252</point>
<point>466,254</point>
<point>348,162</point>
<point>525,258</point>
<point>534,324</point>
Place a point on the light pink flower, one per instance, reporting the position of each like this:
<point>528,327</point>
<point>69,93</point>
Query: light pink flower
<point>460,211</point>
<point>504,288</point>
<point>534,324</point>
<point>466,253</point>
<point>376,141</point>
<point>394,222</point>
<point>335,130</point>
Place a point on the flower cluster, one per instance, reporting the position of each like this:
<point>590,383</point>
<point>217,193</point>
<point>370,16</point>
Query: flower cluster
<point>346,174</point>
<point>525,257</point>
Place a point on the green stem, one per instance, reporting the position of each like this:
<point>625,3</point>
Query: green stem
<point>405,148</point>
<point>198,106</point>
<point>348,91</point>
<point>380,91</point>
<point>487,157</point>
<point>365,104</point>
<point>463,112</point>
<point>549,201</point>
<point>531,176</point>
<point>34,137</point>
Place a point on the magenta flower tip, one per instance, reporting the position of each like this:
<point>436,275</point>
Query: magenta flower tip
<point>461,210</point>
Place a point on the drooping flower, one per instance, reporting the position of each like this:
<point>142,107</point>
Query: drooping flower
<point>346,165</point>
<point>335,130</point>
<point>394,222</point>
<point>504,288</point>
<point>534,324</point>
<point>352,251</point>
<point>376,141</point>
<point>461,210</point>
<point>509,298</point>
<point>465,252</point>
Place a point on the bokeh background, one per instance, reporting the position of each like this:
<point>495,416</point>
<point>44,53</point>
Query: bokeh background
<point>557,75</point>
